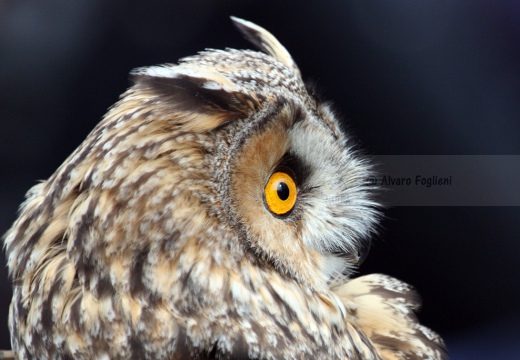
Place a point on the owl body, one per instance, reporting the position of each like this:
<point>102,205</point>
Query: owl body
<point>216,211</point>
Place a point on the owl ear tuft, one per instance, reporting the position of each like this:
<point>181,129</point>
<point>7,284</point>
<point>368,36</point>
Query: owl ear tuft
<point>265,41</point>
<point>195,90</point>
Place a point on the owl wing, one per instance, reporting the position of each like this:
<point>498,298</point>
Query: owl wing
<point>383,308</point>
<point>6,355</point>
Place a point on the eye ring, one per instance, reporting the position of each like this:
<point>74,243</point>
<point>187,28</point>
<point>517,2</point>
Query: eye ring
<point>280,193</point>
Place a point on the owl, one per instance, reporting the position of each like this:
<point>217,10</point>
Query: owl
<point>217,211</point>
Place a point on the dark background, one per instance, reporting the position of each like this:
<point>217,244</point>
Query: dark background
<point>409,77</point>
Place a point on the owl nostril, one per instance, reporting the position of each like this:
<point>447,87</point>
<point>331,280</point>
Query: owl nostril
<point>282,191</point>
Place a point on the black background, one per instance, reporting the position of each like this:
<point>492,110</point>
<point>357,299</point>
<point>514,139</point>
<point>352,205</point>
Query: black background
<point>409,77</point>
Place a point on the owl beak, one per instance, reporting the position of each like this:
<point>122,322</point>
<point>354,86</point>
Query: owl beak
<point>359,257</point>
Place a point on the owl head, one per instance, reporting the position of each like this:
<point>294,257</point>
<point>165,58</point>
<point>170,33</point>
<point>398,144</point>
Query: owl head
<point>217,210</point>
<point>282,177</point>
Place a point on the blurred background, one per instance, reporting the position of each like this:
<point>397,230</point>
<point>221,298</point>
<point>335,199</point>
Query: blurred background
<point>409,77</point>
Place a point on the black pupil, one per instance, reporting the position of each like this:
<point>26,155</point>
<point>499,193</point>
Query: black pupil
<point>283,191</point>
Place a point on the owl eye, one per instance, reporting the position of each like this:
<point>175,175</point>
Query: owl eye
<point>280,193</point>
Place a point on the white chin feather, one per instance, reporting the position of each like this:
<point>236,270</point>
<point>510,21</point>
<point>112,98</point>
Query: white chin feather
<point>333,268</point>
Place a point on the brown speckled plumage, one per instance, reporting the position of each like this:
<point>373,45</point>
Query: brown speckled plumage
<point>153,240</point>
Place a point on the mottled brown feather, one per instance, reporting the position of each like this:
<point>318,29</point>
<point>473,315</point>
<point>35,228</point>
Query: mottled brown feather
<point>152,239</point>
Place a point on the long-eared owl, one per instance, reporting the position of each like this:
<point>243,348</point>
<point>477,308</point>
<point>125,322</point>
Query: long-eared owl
<point>217,211</point>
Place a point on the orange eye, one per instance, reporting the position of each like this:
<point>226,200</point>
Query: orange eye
<point>280,193</point>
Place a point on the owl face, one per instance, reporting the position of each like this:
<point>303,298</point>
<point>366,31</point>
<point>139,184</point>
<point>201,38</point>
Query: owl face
<point>297,197</point>
<point>215,212</point>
